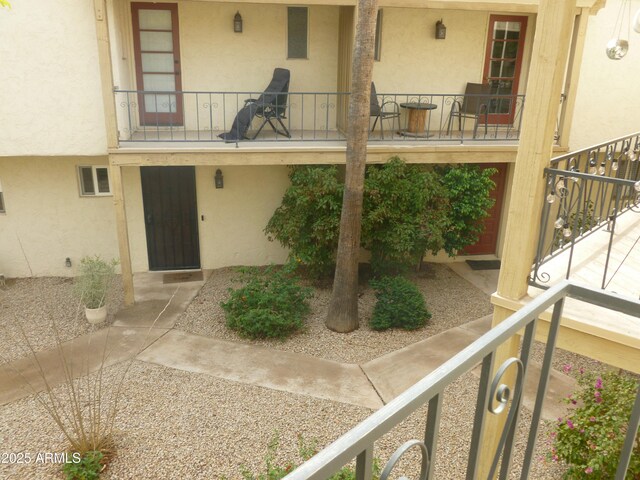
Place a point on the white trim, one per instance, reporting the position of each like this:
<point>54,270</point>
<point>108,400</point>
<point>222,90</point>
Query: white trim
<point>94,175</point>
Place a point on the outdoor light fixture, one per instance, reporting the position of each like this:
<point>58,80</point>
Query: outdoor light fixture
<point>237,25</point>
<point>441,30</point>
<point>67,262</point>
<point>618,47</point>
<point>218,180</point>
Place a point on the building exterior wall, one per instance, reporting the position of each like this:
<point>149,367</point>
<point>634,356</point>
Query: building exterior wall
<point>47,220</point>
<point>607,103</point>
<point>51,101</point>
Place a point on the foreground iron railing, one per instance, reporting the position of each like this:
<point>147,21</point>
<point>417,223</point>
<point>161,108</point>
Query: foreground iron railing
<point>201,116</point>
<point>494,397</point>
<point>586,192</point>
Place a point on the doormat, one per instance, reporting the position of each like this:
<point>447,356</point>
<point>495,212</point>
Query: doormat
<point>179,277</point>
<point>484,264</point>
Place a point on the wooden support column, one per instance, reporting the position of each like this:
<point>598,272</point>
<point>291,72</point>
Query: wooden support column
<point>106,72</point>
<point>573,74</point>
<point>115,172</point>
<point>549,58</point>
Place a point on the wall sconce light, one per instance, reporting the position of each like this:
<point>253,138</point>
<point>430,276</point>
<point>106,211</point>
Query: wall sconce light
<point>218,179</point>
<point>441,30</point>
<point>237,23</point>
<point>67,262</point>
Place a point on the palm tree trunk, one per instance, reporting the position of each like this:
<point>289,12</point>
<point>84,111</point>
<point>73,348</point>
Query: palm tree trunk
<point>343,307</point>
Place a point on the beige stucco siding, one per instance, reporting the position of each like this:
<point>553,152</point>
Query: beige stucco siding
<point>47,220</point>
<point>608,98</point>
<point>50,98</point>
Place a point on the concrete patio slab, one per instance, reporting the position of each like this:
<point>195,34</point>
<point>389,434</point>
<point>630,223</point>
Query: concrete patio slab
<point>150,313</point>
<point>266,367</point>
<point>82,355</point>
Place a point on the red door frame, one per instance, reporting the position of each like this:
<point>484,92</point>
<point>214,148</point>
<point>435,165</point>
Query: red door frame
<point>482,247</point>
<point>505,118</point>
<point>153,118</point>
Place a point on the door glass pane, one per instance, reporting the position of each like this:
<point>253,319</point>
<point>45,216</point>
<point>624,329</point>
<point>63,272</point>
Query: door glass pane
<point>159,82</point>
<point>155,19</point>
<point>499,30</point>
<point>504,50</point>
<point>160,103</point>
<point>156,41</point>
<point>86,179</point>
<point>297,20</point>
<point>157,62</point>
<point>513,30</point>
<point>102,174</point>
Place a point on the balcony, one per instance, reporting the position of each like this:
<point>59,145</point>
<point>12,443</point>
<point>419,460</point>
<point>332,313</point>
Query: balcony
<point>199,118</point>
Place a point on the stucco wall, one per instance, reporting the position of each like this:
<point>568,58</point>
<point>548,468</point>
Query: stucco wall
<point>608,98</point>
<point>50,97</point>
<point>47,220</point>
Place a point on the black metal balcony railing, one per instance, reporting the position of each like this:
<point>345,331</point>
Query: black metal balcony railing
<point>494,397</point>
<point>587,191</point>
<point>191,116</point>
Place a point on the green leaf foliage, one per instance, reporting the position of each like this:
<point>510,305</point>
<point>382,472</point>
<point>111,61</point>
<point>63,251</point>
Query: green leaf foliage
<point>468,189</point>
<point>589,440</point>
<point>271,304</point>
<point>404,215</point>
<point>399,305</point>
<point>87,469</point>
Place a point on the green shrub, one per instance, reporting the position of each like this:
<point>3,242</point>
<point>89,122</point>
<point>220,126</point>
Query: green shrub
<point>94,281</point>
<point>88,468</point>
<point>404,215</point>
<point>468,189</point>
<point>399,305</point>
<point>308,220</point>
<point>589,440</point>
<point>271,304</point>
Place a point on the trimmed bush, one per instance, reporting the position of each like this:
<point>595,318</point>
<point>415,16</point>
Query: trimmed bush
<point>399,305</point>
<point>271,304</point>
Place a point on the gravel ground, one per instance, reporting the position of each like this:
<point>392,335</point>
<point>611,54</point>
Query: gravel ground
<point>451,300</point>
<point>32,305</point>
<point>175,424</point>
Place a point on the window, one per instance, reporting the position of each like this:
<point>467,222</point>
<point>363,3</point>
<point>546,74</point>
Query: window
<point>376,52</point>
<point>297,32</point>
<point>94,181</point>
<point>2,210</point>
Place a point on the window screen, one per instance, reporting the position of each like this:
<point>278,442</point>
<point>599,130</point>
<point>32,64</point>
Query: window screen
<point>297,29</point>
<point>94,180</point>
<point>376,53</point>
<point>86,181</point>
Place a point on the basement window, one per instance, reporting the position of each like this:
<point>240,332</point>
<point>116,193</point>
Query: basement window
<point>94,181</point>
<point>2,210</point>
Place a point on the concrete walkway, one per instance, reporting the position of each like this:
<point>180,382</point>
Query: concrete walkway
<point>145,331</point>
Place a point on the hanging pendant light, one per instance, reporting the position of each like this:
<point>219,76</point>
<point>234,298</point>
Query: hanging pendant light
<point>618,47</point>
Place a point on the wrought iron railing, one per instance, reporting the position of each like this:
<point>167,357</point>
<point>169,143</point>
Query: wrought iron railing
<point>201,116</point>
<point>586,191</point>
<point>494,398</point>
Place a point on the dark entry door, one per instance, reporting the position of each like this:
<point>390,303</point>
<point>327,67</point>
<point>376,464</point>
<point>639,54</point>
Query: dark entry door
<point>171,217</point>
<point>488,240</point>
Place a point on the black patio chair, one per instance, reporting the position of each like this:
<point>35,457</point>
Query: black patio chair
<point>381,112</point>
<point>475,104</point>
<point>271,107</point>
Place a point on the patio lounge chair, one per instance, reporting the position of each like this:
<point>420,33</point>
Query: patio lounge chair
<point>270,107</point>
<point>381,112</point>
<point>475,104</point>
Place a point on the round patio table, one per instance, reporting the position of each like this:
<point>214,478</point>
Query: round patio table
<point>417,118</point>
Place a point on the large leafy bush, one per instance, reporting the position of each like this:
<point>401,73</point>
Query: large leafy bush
<point>271,304</point>
<point>589,440</point>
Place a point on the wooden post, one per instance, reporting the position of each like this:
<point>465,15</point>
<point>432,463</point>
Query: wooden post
<point>573,75</point>
<point>106,73</point>
<point>115,172</point>
<point>549,58</point>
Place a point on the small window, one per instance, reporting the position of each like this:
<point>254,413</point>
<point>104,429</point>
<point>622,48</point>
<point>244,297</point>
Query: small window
<point>378,44</point>
<point>2,210</point>
<point>94,181</point>
<point>297,32</point>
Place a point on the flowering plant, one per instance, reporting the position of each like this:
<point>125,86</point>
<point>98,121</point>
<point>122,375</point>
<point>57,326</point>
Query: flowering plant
<point>590,438</point>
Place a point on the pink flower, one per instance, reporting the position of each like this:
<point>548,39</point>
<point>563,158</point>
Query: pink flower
<point>581,371</point>
<point>566,368</point>
<point>588,470</point>
<point>570,424</point>
<point>599,383</point>
<point>592,419</point>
